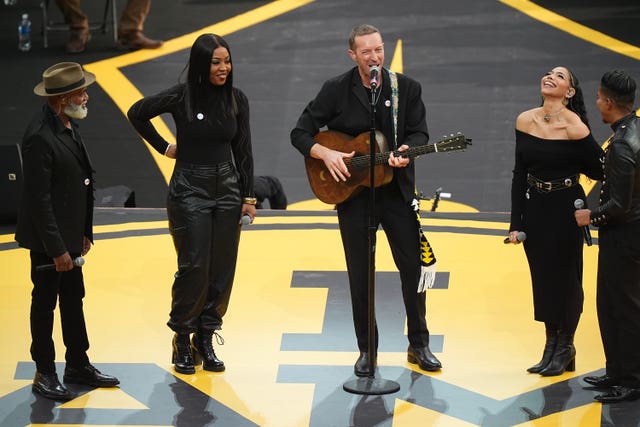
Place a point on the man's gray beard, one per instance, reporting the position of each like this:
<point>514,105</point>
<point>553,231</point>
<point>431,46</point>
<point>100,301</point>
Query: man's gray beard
<point>76,111</point>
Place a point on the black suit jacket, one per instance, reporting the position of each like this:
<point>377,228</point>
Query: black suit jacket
<point>343,104</point>
<point>56,207</point>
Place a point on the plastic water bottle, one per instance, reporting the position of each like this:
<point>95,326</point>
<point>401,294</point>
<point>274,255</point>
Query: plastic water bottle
<point>24,34</point>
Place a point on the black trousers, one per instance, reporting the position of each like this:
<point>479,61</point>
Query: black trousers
<point>401,227</point>
<point>618,300</point>
<point>49,286</point>
<point>203,208</point>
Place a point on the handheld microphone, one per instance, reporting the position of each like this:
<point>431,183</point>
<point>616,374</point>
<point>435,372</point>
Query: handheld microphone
<point>520,237</point>
<point>579,204</point>
<point>373,77</point>
<point>245,220</point>
<point>77,262</point>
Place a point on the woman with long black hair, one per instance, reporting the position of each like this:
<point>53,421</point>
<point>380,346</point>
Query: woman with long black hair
<point>210,190</point>
<point>554,146</point>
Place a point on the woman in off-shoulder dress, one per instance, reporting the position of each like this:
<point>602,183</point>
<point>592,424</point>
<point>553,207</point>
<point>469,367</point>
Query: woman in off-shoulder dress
<point>554,146</point>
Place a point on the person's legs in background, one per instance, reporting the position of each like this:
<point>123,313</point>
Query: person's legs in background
<point>78,25</point>
<point>131,24</point>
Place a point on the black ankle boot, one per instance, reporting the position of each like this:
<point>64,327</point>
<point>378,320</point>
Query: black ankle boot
<point>202,346</point>
<point>564,357</point>
<point>182,358</point>
<point>547,353</point>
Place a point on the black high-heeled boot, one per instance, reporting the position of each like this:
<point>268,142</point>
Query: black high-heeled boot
<point>182,358</point>
<point>547,353</point>
<point>202,346</point>
<point>564,357</point>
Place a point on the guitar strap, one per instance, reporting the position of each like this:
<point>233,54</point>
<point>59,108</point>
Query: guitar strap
<point>394,106</point>
<point>427,257</point>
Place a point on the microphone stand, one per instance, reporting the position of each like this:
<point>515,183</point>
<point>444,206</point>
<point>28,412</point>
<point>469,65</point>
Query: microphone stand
<point>370,385</point>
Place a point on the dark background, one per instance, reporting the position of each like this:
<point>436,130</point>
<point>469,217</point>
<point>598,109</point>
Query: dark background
<point>479,63</point>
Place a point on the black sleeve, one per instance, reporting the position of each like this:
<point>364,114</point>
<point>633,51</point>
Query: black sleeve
<point>316,115</point>
<point>621,170</point>
<point>37,160</point>
<point>241,145</point>
<point>141,113</point>
<point>518,189</point>
<point>592,159</point>
<point>415,129</point>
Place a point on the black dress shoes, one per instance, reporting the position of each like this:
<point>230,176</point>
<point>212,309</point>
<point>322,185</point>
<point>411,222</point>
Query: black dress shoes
<point>362,368</point>
<point>49,386</point>
<point>424,358</point>
<point>618,394</point>
<point>602,381</point>
<point>89,375</point>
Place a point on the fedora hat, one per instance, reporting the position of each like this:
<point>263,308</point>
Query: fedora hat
<point>63,78</point>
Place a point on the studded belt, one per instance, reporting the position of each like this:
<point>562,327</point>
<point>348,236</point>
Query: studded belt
<point>553,185</point>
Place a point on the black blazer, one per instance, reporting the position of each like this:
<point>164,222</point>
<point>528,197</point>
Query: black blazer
<point>343,104</point>
<point>56,207</point>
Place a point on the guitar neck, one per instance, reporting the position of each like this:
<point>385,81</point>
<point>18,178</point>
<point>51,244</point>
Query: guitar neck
<point>410,152</point>
<point>382,158</point>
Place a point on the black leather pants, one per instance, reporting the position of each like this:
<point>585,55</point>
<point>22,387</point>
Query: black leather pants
<point>203,207</point>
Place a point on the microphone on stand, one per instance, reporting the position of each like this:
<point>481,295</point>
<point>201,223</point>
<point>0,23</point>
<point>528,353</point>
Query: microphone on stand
<point>373,77</point>
<point>77,262</point>
<point>579,204</point>
<point>520,237</point>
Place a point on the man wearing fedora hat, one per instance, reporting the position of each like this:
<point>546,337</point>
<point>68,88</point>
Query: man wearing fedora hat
<point>55,223</point>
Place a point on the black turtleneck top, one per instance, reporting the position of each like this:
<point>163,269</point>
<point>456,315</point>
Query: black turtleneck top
<point>209,138</point>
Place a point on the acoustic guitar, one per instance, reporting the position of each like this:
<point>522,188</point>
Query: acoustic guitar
<point>329,191</point>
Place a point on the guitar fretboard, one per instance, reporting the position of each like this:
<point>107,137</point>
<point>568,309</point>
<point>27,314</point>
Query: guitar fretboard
<point>363,161</point>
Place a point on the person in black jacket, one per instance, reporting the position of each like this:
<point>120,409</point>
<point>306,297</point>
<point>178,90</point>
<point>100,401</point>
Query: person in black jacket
<point>343,105</point>
<point>55,223</point>
<point>618,219</point>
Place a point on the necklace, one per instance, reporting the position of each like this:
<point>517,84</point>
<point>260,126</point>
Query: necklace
<point>376,95</point>
<point>547,117</point>
<point>376,92</point>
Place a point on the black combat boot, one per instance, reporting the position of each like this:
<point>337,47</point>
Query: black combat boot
<point>202,346</point>
<point>182,358</point>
